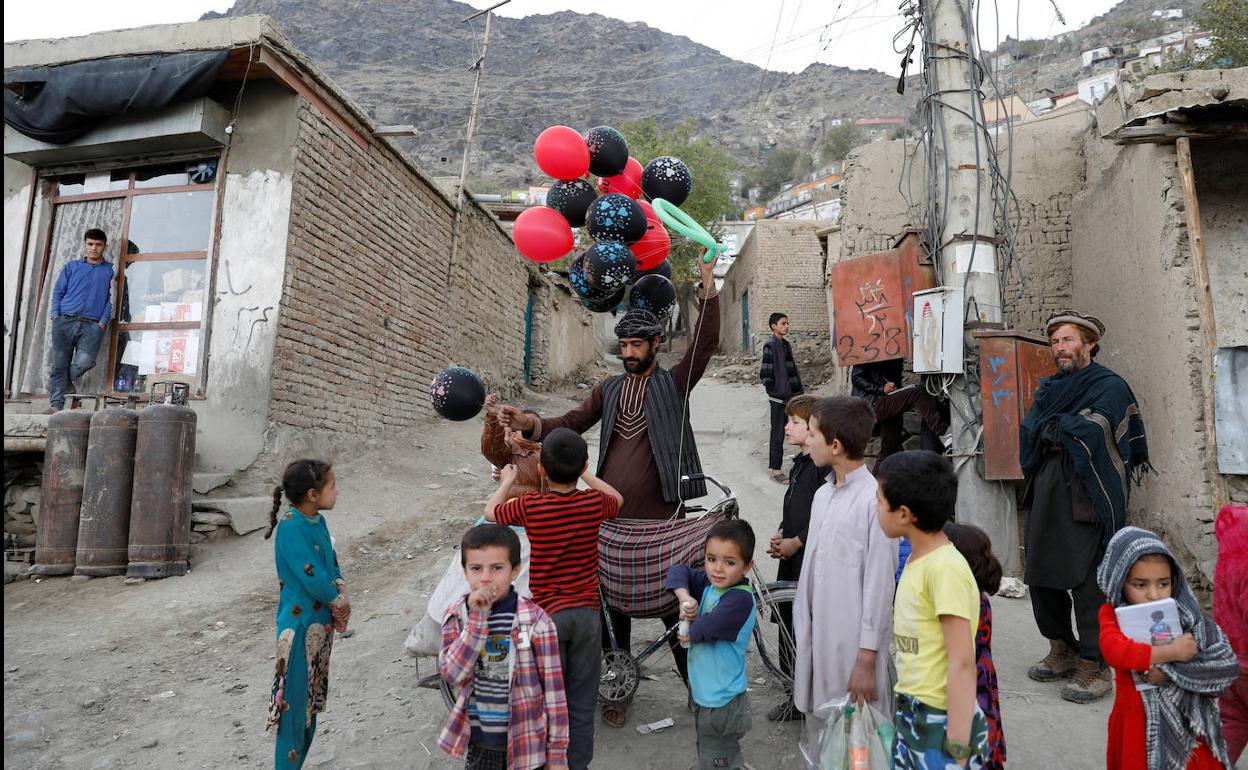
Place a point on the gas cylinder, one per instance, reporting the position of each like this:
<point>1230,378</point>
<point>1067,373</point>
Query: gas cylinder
<point>104,526</point>
<point>160,501</point>
<point>64,461</point>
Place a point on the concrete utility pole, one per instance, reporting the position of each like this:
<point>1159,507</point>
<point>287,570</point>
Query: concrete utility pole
<point>967,257</point>
<point>472,126</point>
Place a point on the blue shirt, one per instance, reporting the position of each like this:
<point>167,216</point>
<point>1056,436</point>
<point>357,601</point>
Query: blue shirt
<point>719,636</point>
<point>84,289</point>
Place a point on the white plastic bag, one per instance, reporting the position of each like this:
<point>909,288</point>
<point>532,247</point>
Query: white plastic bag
<point>425,638</point>
<point>841,736</point>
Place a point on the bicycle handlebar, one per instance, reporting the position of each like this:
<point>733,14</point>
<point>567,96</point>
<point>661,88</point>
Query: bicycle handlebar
<point>703,477</point>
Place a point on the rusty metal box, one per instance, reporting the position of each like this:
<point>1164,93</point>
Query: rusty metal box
<point>1011,364</point>
<point>873,300</point>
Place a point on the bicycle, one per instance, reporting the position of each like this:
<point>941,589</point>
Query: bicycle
<point>621,670</point>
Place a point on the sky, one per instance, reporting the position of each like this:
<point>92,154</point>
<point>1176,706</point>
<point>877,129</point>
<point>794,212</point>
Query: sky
<point>785,35</point>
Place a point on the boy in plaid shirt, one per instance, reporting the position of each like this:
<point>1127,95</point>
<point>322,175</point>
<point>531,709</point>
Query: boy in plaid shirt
<point>496,647</point>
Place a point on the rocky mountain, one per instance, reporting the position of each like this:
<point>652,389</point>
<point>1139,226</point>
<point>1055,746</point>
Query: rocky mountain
<point>410,61</point>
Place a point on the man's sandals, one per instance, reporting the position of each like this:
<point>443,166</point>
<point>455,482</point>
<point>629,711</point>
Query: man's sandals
<point>779,477</point>
<point>615,714</point>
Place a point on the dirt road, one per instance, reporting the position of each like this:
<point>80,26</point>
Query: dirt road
<point>176,673</point>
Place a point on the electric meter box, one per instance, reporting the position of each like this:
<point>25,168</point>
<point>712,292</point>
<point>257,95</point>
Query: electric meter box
<point>938,328</point>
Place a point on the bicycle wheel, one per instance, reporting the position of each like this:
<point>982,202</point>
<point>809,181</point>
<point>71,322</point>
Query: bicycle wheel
<point>772,596</point>
<point>448,697</point>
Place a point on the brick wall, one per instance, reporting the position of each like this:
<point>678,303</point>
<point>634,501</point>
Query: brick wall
<point>782,267</point>
<point>1042,251</point>
<point>367,315</point>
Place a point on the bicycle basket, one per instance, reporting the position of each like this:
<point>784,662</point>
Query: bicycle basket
<point>635,554</point>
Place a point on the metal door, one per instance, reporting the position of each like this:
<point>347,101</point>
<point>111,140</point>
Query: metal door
<point>746,347</point>
<point>528,339</point>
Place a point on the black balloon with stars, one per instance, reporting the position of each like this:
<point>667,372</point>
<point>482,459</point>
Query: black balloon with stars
<point>572,199</point>
<point>667,178</point>
<point>608,151</point>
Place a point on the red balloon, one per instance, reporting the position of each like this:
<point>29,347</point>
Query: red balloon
<point>562,153</point>
<point>542,234</point>
<point>654,246</point>
<point>647,209</point>
<point>627,183</point>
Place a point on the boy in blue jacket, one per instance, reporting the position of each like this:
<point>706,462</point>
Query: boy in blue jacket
<point>719,603</point>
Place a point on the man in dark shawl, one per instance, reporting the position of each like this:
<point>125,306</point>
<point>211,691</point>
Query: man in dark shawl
<point>1080,446</point>
<point>647,443</point>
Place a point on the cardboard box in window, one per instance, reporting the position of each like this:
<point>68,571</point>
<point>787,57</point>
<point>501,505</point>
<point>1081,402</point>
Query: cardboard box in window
<point>181,279</point>
<point>176,311</point>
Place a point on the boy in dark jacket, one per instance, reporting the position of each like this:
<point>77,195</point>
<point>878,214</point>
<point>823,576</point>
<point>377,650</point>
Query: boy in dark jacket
<point>780,377</point>
<point>789,543</point>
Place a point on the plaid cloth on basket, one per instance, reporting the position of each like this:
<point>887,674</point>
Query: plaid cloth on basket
<point>635,554</point>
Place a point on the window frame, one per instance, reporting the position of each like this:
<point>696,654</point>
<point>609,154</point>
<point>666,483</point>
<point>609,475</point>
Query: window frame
<point>208,255</point>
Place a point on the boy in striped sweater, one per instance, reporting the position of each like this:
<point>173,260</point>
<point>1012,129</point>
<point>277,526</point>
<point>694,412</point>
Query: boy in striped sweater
<point>562,526</point>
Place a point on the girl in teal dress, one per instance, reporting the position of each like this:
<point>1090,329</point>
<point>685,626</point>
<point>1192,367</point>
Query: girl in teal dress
<point>311,606</point>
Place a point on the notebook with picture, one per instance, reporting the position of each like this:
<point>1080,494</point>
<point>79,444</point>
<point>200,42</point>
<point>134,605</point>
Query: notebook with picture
<point>1154,623</point>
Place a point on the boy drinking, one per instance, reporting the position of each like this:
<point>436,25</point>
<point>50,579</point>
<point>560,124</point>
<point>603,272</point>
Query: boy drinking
<point>842,616</point>
<point>500,655</point>
<point>779,375</point>
<point>935,618</point>
<point>719,604</point>
<point>562,526</point>
<point>788,544</point>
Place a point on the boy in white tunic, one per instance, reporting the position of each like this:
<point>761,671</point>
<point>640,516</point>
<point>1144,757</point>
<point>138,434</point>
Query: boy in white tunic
<point>843,614</point>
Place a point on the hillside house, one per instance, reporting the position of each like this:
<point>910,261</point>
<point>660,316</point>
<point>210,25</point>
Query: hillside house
<point>1092,90</point>
<point>270,250</point>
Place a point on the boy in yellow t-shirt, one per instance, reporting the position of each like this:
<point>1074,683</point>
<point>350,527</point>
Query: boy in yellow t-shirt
<point>939,725</point>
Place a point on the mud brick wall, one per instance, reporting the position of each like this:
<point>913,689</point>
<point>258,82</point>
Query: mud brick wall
<point>368,314</point>
<point>1133,269</point>
<point>781,265</point>
<point>1040,283</point>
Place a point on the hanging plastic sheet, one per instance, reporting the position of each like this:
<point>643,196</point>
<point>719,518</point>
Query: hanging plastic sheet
<point>58,104</point>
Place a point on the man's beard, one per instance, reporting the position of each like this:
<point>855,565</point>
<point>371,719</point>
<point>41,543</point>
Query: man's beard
<point>638,365</point>
<point>1071,365</point>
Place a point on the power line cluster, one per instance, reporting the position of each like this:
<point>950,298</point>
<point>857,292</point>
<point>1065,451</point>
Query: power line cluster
<point>932,210</point>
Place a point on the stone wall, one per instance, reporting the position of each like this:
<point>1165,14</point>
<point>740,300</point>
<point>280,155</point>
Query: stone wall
<point>782,267</point>
<point>563,338</point>
<point>369,314</point>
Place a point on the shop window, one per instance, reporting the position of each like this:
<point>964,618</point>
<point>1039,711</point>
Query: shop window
<point>159,220</point>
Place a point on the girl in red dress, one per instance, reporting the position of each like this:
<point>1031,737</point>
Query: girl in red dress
<point>1175,724</point>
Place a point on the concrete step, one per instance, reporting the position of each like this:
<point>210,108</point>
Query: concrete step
<point>25,425</point>
<point>247,514</point>
<point>203,483</point>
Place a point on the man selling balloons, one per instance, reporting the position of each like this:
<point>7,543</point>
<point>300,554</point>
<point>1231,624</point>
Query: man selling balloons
<point>647,444</point>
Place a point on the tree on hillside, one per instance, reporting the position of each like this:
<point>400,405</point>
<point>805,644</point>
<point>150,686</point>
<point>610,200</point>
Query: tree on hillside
<point>1227,20</point>
<point>780,165</point>
<point>710,165</point>
<point>839,141</point>
<point>711,199</point>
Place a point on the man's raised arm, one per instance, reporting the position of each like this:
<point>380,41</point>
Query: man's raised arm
<point>706,328</point>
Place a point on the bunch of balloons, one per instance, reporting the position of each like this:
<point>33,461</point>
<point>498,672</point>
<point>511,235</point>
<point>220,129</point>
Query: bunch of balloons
<point>631,243</point>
